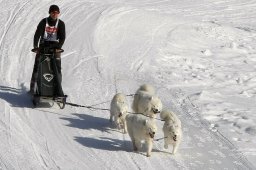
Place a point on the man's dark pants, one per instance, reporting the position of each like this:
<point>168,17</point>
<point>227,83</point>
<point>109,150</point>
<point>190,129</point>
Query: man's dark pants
<point>35,70</point>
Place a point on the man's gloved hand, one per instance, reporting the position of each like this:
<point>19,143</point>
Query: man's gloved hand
<point>59,50</point>
<point>35,50</point>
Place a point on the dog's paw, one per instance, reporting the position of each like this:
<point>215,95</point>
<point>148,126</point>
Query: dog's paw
<point>148,154</point>
<point>174,151</point>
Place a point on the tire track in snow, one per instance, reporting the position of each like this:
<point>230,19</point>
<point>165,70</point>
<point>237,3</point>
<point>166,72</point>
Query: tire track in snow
<point>226,149</point>
<point>138,63</point>
<point>57,126</point>
<point>222,153</point>
<point>7,26</point>
<point>5,135</point>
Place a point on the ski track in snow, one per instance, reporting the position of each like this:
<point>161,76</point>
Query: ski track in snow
<point>77,138</point>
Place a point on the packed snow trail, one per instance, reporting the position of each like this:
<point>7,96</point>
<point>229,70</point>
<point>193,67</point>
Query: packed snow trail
<point>105,53</point>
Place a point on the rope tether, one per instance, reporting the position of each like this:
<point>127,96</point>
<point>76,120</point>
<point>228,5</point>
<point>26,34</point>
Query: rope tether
<point>88,107</point>
<point>160,139</point>
<point>96,108</point>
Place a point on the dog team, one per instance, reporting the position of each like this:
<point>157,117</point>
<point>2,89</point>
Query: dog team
<point>141,125</point>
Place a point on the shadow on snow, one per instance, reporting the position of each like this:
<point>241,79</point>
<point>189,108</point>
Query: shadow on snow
<point>88,122</point>
<point>84,121</point>
<point>104,143</point>
<point>16,97</point>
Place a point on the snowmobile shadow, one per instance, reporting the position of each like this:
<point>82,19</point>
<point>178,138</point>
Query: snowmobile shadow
<point>103,143</point>
<point>85,121</point>
<point>45,105</point>
<point>16,97</point>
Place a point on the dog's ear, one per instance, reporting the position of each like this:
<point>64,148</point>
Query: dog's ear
<point>150,98</point>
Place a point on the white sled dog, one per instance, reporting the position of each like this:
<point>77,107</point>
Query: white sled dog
<point>141,128</point>
<point>118,111</point>
<point>146,102</point>
<point>172,130</point>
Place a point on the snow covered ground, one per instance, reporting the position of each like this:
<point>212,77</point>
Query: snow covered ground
<point>199,55</point>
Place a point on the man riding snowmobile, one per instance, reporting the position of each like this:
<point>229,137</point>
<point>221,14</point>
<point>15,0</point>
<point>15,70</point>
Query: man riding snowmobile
<point>51,33</point>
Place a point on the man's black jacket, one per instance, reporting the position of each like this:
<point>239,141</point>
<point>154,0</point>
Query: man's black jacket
<point>61,33</point>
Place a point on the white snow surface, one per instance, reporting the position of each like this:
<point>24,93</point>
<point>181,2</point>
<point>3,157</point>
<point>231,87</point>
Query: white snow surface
<point>200,55</point>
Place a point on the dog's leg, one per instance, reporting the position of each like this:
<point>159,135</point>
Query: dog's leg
<point>111,117</point>
<point>149,146</point>
<point>124,126</point>
<point>175,147</point>
<point>118,123</point>
<point>135,148</point>
<point>137,144</point>
<point>166,143</point>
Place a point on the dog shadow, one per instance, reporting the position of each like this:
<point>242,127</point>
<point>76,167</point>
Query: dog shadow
<point>88,122</point>
<point>16,97</point>
<point>85,121</point>
<point>103,143</point>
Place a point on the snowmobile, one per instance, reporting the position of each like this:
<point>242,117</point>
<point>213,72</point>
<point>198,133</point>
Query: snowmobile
<point>48,84</point>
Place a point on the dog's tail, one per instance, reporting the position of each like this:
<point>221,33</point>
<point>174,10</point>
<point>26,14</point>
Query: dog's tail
<point>166,115</point>
<point>148,88</point>
<point>120,98</point>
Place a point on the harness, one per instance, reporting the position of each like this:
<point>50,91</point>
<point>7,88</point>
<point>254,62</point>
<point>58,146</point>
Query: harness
<point>50,33</point>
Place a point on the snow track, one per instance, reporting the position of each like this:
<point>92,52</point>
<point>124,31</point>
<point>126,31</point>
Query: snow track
<point>111,46</point>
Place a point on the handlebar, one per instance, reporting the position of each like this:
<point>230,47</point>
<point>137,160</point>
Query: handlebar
<point>59,50</point>
<point>36,50</point>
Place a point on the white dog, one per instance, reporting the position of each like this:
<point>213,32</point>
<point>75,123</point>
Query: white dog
<point>141,128</point>
<point>146,102</point>
<point>118,111</point>
<point>172,130</point>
